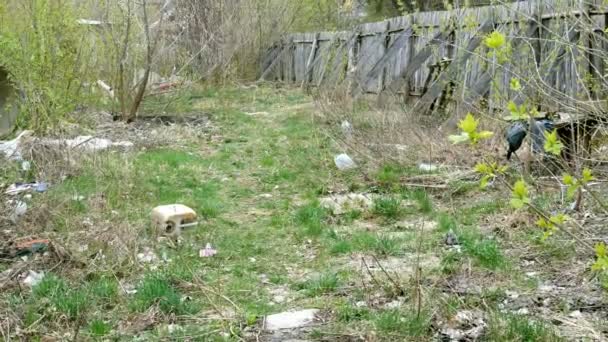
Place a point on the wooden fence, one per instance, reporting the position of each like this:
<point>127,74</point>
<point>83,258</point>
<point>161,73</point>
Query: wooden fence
<point>557,49</point>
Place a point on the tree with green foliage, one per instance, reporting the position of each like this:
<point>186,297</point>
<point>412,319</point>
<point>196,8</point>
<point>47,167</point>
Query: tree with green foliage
<point>45,53</point>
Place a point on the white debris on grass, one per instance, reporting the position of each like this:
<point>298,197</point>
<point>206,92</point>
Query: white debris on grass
<point>347,128</point>
<point>33,278</point>
<point>19,209</point>
<point>426,167</point>
<point>89,143</point>
<point>207,252</point>
<point>147,256</point>
<point>344,162</point>
<point>342,203</point>
<point>290,319</point>
<point>10,149</point>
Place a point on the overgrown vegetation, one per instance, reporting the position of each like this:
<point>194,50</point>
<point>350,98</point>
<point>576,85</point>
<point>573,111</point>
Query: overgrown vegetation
<point>472,249</point>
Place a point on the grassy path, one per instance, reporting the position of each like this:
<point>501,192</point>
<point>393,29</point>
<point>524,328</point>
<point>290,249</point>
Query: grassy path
<point>255,178</point>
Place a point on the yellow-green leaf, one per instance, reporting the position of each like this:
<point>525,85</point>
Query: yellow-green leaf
<point>515,85</point>
<point>468,124</point>
<point>495,40</point>
<point>600,250</point>
<point>568,179</point>
<point>512,107</point>
<point>520,190</point>
<point>457,139</point>
<point>552,143</point>
<point>484,181</point>
<point>483,168</point>
<point>542,223</point>
<point>571,191</point>
<point>587,175</point>
<point>485,134</point>
<point>559,218</point>
<point>517,203</point>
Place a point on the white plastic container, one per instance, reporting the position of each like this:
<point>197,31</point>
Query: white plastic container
<point>170,220</point>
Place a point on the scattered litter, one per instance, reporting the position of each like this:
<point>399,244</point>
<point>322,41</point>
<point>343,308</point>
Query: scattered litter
<point>252,259</point>
<point>22,249</point>
<point>396,304</point>
<point>347,128</point>
<point>344,162</point>
<point>512,294</point>
<point>523,311</point>
<point>147,256</point>
<point>26,165</point>
<point>10,149</point>
<point>576,314</point>
<point>18,188</point>
<point>265,196</point>
<point>172,328</point>
<point>427,167</point>
<point>417,225</point>
<point>290,320</point>
<point>32,247</point>
<point>467,325</point>
<point>361,304</point>
<point>278,299</point>
<point>87,142</point>
<point>342,203</point>
<point>129,289</point>
<point>169,220</point>
<point>546,288</point>
<point>106,87</point>
<point>20,208</point>
<point>33,278</point>
<point>78,198</point>
<point>451,239</point>
<point>207,252</point>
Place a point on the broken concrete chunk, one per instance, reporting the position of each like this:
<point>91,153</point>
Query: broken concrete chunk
<point>340,204</point>
<point>291,319</point>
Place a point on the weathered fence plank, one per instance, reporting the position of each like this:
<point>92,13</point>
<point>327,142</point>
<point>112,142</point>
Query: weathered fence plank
<point>551,46</point>
<point>449,73</point>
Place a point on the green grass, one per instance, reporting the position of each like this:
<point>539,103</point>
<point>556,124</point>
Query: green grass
<point>99,328</point>
<point>72,303</point>
<point>403,323</point>
<point>311,217</point>
<point>341,247</point>
<point>380,244</point>
<point>320,285</point>
<point>485,251</point>
<point>265,242</point>
<point>446,223</point>
<point>518,328</point>
<point>351,313</point>
<point>388,207</point>
<point>425,204</point>
<point>155,290</point>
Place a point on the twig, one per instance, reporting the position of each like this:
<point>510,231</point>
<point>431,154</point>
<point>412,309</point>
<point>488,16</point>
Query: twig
<point>369,272</point>
<point>395,283</point>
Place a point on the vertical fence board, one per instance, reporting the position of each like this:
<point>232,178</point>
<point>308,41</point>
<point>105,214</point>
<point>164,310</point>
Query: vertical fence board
<point>555,40</point>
